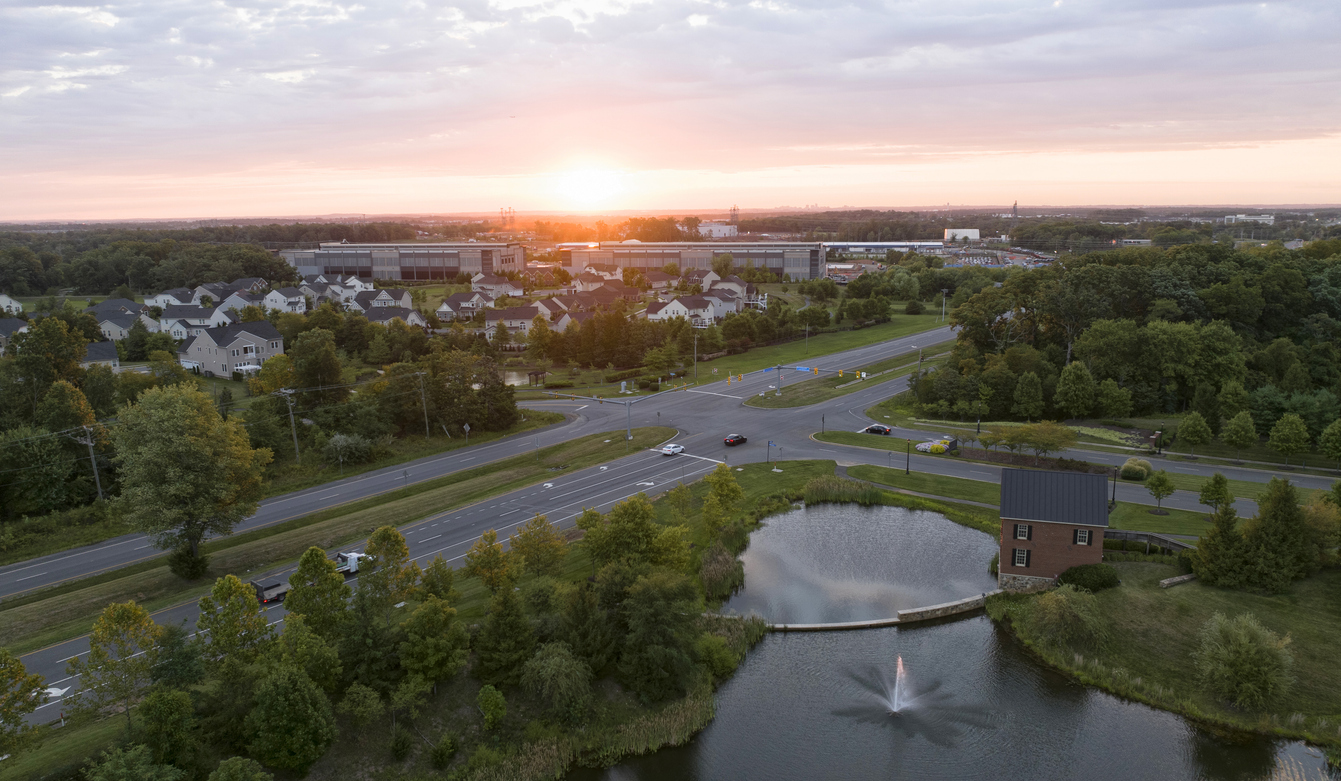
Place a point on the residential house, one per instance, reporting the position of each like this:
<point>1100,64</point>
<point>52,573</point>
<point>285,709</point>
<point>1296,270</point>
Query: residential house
<point>733,283</point>
<point>704,278</point>
<point>241,300</point>
<point>321,292</point>
<point>319,279</point>
<point>286,299</point>
<point>461,306</point>
<point>214,291</point>
<point>496,286</point>
<point>724,302</point>
<point>617,289</point>
<point>352,286</point>
<point>658,280</point>
<point>9,306</point>
<point>695,309</point>
<point>101,354</point>
<point>385,314</point>
<point>607,271</point>
<point>518,320</point>
<point>184,321</point>
<point>250,284</point>
<point>238,347</point>
<point>117,326</point>
<point>9,327</point>
<point>1050,522</point>
<point>572,317</point>
<point>178,296</point>
<point>368,299</point>
<point>115,306</point>
<point>538,277</point>
<point>549,308</point>
<point>588,281</point>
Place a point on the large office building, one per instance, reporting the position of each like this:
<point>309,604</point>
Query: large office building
<point>800,260</point>
<point>408,262</point>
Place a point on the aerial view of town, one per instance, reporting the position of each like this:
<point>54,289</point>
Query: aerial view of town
<point>610,390</point>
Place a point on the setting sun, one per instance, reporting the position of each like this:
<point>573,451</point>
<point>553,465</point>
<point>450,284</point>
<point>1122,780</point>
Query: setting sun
<point>590,187</point>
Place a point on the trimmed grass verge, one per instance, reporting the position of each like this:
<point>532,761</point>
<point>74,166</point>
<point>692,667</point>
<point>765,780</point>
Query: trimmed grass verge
<point>814,391</point>
<point>938,485</point>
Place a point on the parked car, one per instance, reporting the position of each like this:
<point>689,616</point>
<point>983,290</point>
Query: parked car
<point>670,450</point>
<point>876,428</point>
<point>734,439</point>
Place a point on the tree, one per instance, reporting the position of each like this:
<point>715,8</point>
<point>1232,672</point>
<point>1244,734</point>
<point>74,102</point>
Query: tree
<point>1194,431</point>
<point>682,499</point>
<point>1114,401</point>
<point>436,645</point>
<point>123,649</point>
<point>319,593</point>
<point>1160,486</point>
<point>347,448</point>
<point>393,576</point>
<point>491,703</point>
<point>496,568</point>
<point>239,769</point>
<point>586,627</point>
<point>1046,438</point>
<point>1215,492</point>
<point>722,264</point>
<point>539,544</point>
<point>502,338</point>
<point>1218,557</point>
<point>316,367</point>
<point>661,611</point>
<point>1280,549</point>
<point>361,704</point>
<point>560,679</point>
<point>1243,662</point>
<point>506,641</point>
<point>714,515</point>
<point>1240,432</point>
<point>1330,441</point>
<point>1076,390</point>
<point>1028,396</point>
<point>723,485</point>
<point>168,726</point>
<point>305,651</point>
<point>185,472</point>
<point>1205,403</point>
<point>135,763</point>
<point>20,694</point>
<point>179,661</point>
<point>436,581</point>
<point>47,351</point>
<point>1289,436</point>
<point>232,622</point>
<point>292,724</point>
<point>1232,399</point>
<point>64,407</point>
<point>630,532</point>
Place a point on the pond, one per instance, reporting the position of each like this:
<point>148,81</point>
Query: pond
<point>971,702</point>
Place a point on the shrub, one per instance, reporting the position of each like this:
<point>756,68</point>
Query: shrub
<point>560,679</point>
<point>624,375</point>
<point>443,752</point>
<point>713,653</point>
<point>1066,617</point>
<point>914,307</point>
<point>720,572</point>
<point>492,705</point>
<point>556,385</point>
<point>1091,577</point>
<point>644,384</point>
<point>735,537</point>
<point>187,566</point>
<point>1242,661</point>
<point>1136,469</point>
<point>654,386</point>
<point>401,743</point>
<point>994,563</point>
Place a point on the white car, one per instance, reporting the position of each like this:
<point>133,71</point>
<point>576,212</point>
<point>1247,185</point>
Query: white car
<point>670,450</point>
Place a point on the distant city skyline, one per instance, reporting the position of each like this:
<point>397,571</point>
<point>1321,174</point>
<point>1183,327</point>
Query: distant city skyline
<point>250,108</point>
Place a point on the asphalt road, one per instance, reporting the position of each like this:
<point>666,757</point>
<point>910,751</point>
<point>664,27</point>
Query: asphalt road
<point>702,415</point>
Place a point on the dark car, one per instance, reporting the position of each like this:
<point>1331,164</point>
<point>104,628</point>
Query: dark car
<point>876,428</point>
<point>734,439</point>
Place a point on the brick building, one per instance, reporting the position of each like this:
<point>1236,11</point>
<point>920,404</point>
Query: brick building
<point>1050,522</point>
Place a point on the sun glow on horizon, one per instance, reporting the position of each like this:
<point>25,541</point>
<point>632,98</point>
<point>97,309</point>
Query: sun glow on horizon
<point>589,188</point>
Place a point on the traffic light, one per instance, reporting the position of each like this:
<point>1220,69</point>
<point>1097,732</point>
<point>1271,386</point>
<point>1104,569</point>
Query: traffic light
<point>840,372</point>
<point>816,371</point>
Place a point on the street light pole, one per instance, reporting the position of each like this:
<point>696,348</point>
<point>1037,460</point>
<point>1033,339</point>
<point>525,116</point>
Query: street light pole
<point>979,405</point>
<point>695,357</point>
<point>944,292</point>
<point>287,395</point>
<point>908,464</point>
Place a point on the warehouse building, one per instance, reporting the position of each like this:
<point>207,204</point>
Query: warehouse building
<point>408,262</point>
<point>800,260</point>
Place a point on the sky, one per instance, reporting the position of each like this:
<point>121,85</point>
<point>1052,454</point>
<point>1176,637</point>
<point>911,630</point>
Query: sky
<point>217,108</point>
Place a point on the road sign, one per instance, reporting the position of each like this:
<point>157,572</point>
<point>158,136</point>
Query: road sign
<point>465,427</point>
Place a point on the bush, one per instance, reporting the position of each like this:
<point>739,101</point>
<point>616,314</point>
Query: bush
<point>187,566</point>
<point>1090,577</point>
<point>556,385</point>
<point>654,386</point>
<point>401,743</point>
<point>492,705</point>
<point>713,653</point>
<point>560,679</point>
<point>443,752</point>
<point>624,375</point>
<point>644,384</point>
<point>1136,469</point>
<point>1066,617</point>
<point>720,572</point>
<point>1242,661</point>
<point>994,563</point>
<point>914,307</point>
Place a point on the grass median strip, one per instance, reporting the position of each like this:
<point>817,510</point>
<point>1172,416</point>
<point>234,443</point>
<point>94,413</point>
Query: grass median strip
<point>66,611</point>
<point>813,391</point>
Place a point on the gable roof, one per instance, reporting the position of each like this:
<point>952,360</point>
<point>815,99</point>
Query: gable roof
<point>11,325</point>
<point>656,306</point>
<point>247,282</point>
<point>120,319</point>
<point>1054,497</point>
<point>511,313</point>
<point>381,314</point>
<point>225,334</point>
<point>100,352</point>
<point>185,347</point>
<point>179,293</point>
<point>115,304</point>
<point>289,292</point>
<point>577,317</point>
<point>190,311</point>
<point>693,303</point>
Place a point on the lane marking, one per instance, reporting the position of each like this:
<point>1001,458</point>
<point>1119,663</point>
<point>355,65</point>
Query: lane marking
<point>725,395</point>
<point>38,575</point>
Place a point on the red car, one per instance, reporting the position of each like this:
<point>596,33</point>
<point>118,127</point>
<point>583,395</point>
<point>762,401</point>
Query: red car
<point>735,439</point>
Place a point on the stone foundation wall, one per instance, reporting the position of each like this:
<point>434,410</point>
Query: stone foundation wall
<point>1022,584</point>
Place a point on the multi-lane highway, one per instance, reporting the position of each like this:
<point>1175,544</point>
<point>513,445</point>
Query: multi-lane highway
<point>702,416</point>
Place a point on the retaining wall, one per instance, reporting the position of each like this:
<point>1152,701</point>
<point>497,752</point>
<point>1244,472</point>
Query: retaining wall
<point>966,605</point>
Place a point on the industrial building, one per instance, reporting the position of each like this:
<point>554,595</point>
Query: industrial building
<point>717,230</point>
<point>409,262</point>
<point>800,260</point>
<point>1263,219</point>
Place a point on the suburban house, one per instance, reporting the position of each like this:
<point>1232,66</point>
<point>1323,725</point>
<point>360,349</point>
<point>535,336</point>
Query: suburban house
<point>588,281</point>
<point>286,299</point>
<point>178,296</point>
<point>701,277</point>
<point>385,314</point>
<point>184,321</point>
<point>215,291</point>
<point>368,299</point>
<point>606,270</point>
<point>576,318</point>
<point>658,280</point>
<point>249,284</point>
<point>9,306</point>
<point>115,306</point>
<point>463,305</point>
<point>320,292</point>
<point>352,286</point>
<point>723,302</point>
<point>319,279</point>
<point>733,283</point>
<point>549,308</point>
<point>102,354</point>
<point>691,308</point>
<point>1050,522</point>
<point>239,347</point>
<point>517,319</point>
<point>241,300</point>
<point>496,286</point>
<point>117,326</point>
<point>617,289</point>
<point>538,277</point>
<point>9,326</point>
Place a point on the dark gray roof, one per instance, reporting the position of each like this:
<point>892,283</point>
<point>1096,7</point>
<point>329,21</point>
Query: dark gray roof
<point>100,351</point>
<point>290,292</point>
<point>10,325</point>
<point>382,314</point>
<point>1054,497</point>
<point>185,347</point>
<point>117,305</point>
<point>187,311</point>
<point>261,329</point>
<point>511,313</point>
<point>120,319</point>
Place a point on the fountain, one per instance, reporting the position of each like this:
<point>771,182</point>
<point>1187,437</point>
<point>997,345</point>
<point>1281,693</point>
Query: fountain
<point>926,711</point>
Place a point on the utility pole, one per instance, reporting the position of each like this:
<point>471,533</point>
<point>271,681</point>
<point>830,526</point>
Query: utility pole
<point>907,465</point>
<point>695,357</point>
<point>423,399</point>
<point>287,395</point>
<point>87,439</point>
<point>944,292</point>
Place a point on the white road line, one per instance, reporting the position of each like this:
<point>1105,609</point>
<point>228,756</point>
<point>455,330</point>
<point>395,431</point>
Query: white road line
<point>724,395</point>
<point>434,537</point>
<point>38,575</point>
<point>142,547</point>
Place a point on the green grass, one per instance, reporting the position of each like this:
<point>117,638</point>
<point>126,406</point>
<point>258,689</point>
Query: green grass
<point>57,751</point>
<point>1153,632</point>
<point>875,441</point>
<point>936,485</point>
<point>33,621</point>
<point>820,389</point>
<point>1137,517</point>
<point>820,344</point>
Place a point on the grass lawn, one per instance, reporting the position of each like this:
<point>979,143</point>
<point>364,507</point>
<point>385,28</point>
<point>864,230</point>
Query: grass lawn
<point>820,344</point>
<point>1153,632</point>
<point>57,751</point>
<point>1138,518</point>
<point>53,615</point>
<point>824,388</point>
<point>936,485</point>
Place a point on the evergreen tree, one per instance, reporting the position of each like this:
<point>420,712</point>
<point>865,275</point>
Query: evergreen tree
<point>1219,557</point>
<point>368,646</point>
<point>1076,390</point>
<point>506,641</point>
<point>232,622</point>
<point>1205,403</point>
<point>586,627</point>
<point>1240,432</point>
<point>391,576</point>
<point>436,645</point>
<point>319,593</point>
<point>1194,431</point>
<point>168,727</point>
<point>661,610</point>
<point>135,763</point>
<point>292,724</point>
<point>1280,547</point>
<point>305,651</point>
<point>437,581</point>
<point>1028,396</point>
<point>239,769</point>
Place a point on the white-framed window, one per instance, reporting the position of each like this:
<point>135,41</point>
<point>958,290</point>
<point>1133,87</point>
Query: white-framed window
<point>249,350</point>
<point>1021,557</point>
<point>1082,536</point>
<point>1021,531</point>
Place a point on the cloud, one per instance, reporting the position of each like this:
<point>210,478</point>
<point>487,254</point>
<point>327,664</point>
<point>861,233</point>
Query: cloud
<point>519,88</point>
